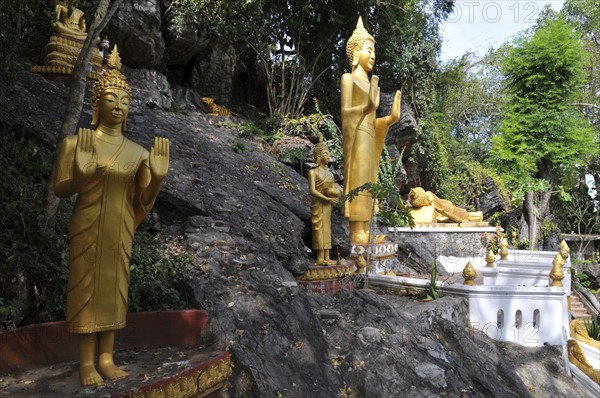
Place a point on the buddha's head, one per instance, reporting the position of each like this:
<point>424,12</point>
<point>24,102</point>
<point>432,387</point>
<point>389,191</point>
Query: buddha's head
<point>111,95</point>
<point>360,48</point>
<point>418,198</point>
<point>321,153</point>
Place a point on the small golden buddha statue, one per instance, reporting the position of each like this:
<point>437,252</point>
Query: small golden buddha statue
<point>427,208</point>
<point>325,193</point>
<point>66,42</point>
<point>71,23</point>
<point>116,182</point>
<point>363,133</point>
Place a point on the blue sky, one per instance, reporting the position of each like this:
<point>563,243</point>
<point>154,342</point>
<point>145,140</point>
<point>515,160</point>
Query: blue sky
<point>476,25</point>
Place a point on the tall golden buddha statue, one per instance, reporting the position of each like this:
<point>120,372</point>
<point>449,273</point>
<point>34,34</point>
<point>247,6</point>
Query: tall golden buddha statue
<point>363,133</point>
<point>427,207</point>
<point>325,193</point>
<point>116,182</point>
<point>66,42</point>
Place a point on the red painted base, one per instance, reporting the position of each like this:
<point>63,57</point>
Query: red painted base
<point>49,343</point>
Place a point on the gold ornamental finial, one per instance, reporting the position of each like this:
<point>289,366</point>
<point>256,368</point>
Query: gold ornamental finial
<point>557,274</point>
<point>564,250</point>
<point>490,258</point>
<point>469,274</point>
<point>503,249</point>
<point>356,41</point>
<point>114,59</point>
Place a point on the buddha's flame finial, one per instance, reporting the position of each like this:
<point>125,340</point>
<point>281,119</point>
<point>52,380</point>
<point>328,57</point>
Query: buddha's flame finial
<point>114,59</point>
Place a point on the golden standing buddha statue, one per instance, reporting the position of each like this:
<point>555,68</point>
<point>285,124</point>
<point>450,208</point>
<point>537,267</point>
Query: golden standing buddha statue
<point>116,182</point>
<point>363,133</point>
<point>323,189</point>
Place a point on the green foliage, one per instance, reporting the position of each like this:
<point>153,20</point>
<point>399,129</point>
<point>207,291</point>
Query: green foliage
<point>32,255</point>
<point>298,155</point>
<point>237,146</point>
<point>493,242</point>
<point>541,134</point>
<point>431,291</point>
<point>431,154</point>
<point>156,276</point>
<point>392,209</point>
<point>24,30</point>
<point>584,280</point>
<point>299,47</point>
<point>593,328</point>
<point>522,244</point>
<point>549,228</point>
<point>266,128</point>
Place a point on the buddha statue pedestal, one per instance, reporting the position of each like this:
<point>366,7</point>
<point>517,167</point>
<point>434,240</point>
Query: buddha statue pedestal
<point>379,254</point>
<point>327,279</point>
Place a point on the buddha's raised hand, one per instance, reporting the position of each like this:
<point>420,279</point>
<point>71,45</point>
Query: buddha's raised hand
<point>396,107</point>
<point>159,157</point>
<point>85,153</point>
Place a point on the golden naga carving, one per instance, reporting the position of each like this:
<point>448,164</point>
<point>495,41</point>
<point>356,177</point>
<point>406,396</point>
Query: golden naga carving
<point>557,273</point>
<point>363,133</point>
<point>577,357</point>
<point>325,193</point>
<point>66,43</point>
<point>427,208</point>
<point>564,250</point>
<point>214,109</point>
<point>116,182</point>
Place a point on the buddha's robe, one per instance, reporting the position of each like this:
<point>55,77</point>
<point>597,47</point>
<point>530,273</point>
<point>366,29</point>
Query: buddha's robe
<point>363,145</point>
<point>320,211</point>
<point>107,211</point>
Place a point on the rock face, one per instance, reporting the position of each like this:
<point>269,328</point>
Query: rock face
<point>402,134</point>
<point>136,29</point>
<point>184,36</point>
<point>244,217</point>
<point>213,72</point>
<point>152,88</point>
<point>420,249</point>
<point>491,201</point>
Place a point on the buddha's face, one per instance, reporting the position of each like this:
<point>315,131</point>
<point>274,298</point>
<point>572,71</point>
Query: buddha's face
<point>323,157</point>
<point>366,55</point>
<point>113,106</point>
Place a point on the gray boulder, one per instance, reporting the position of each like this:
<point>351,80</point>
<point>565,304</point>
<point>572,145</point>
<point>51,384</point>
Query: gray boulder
<point>136,29</point>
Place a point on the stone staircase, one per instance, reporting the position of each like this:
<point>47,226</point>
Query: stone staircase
<point>580,308</point>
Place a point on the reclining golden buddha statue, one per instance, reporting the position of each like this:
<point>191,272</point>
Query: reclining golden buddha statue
<point>427,208</point>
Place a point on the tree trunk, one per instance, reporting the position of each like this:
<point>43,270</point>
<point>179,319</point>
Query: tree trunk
<point>531,219</point>
<point>77,92</point>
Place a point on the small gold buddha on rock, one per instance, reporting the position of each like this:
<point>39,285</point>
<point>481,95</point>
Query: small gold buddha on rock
<point>116,182</point>
<point>66,42</point>
<point>363,133</point>
<point>325,193</point>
